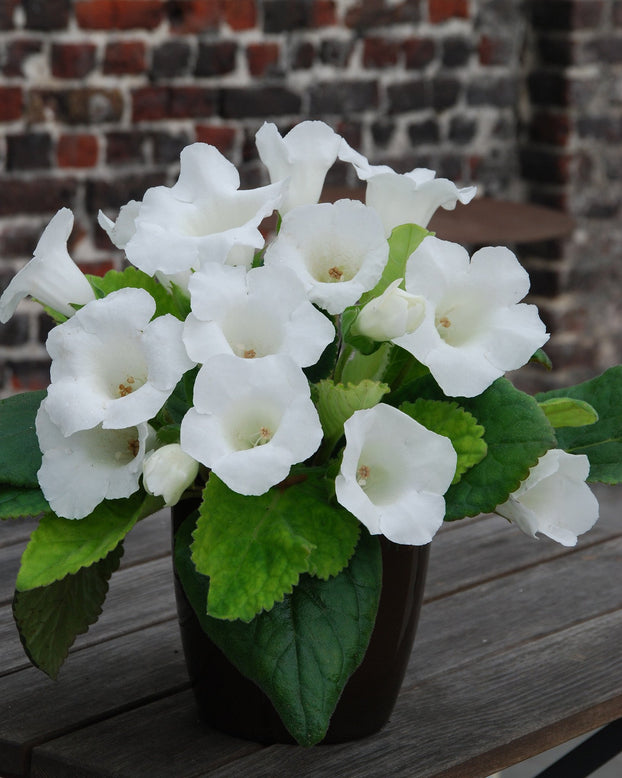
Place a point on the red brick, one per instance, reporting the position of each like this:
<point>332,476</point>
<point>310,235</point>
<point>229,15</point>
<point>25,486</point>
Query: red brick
<point>419,52</point>
<point>159,102</point>
<point>72,60</point>
<point>17,52</point>
<point>7,7</point>
<point>29,376</point>
<point>240,14</point>
<point>442,10</point>
<point>77,151</point>
<point>76,106</point>
<point>10,103</point>
<point>125,58</point>
<point>97,268</point>
<point>40,195</point>
<point>125,146</point>
<point>548,127</point>
<point>261,56</point>
<point>380,52</point>
<point>221,137</point>
<point>193,16</point>
<point>119,14</point>
<point>324,13</point>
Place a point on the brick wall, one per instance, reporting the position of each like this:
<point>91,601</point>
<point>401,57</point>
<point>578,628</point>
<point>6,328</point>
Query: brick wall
<point>97,97</point>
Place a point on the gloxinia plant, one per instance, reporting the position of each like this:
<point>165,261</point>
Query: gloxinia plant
<point>341,380</point>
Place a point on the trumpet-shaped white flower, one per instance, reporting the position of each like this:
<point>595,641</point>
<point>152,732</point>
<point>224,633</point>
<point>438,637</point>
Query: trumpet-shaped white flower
<point>394,474</point>
<point>554,499</point>
<point>392,314</point>
<point>168,471</point>
<point>338,250</point>
<point>112,365</point>
<point>252,419</point>
<point>179,228</point>
<point>51,276</point>
<point>122,230</point>
<point>405,198</point>
<point>80,470</point>
<point>304,156</point>
<point>474,327</point>
<point>253,314</point>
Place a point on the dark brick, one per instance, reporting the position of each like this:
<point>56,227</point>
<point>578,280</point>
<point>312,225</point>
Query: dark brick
<point>302,55</point>
<point>336,52</point>
<point>450,166</point>
<point>216,59</point>
<point>545,166</point>
<point>605,49</point>
<point>445,92</point>
<point>10,103</point>
<point>119,14</point>
<point>408,96</point>
<point>19,240</point>
<point>17,52</point>
<point>263,58</point>
<point>382,131</point>
<point>170,59</point>
<point>368,14</point>
<point>462,130</point>
<point>31,151</point>
<point>566,14</point>
<point>42,195</point>
<point>419,52</point>
<point>239,103</point>
<point>160,102</point>
<point>495,50</point>
<point>15,332</point>
<point>7,8</point>
<point>455,52</point>
<point>221,137</point>
<point>380,52</point>
<point>343,98</point>
<point>548,88</point>
<point>80,150</point>
<point>426,131</point>
<point>124,58</point>
<point>111,194</point>
<point>443,10</point>
<point>76,106</point>
<point>501,92</point>
<point>193,16</point>
<point>29,375</point>
<point>125,147</point>
<point>286,15</point>
<point>616,12</point>
<point>72,60</point>
<point>47,14</point>
<point>167,147</point>
<point>603,128</point>
<point>556,49</point>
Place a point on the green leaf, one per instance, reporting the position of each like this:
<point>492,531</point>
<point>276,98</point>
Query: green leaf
<point>601,441</point>
<point>16,503</point>
<point>60,547</point>
<point>336,403</point>
<point>542,358</point>
<point>136,279</point>
<point>20,457</point>
<point>278,649</point>
<point>567,412</point>
<point>461,427</point>
<point>49,618</point>
<point>403,241</point>
<point>255,548</point>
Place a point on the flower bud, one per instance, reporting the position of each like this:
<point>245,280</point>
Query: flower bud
<point>391,315</point>
<point>168,472</point>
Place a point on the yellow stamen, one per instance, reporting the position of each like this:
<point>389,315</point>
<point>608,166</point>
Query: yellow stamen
<point>335,273</point>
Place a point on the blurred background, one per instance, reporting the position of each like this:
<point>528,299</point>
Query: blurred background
<point>521,97</point>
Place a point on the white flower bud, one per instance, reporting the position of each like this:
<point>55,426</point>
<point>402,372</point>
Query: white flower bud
<point>391,315</point>
<point>168,472</point>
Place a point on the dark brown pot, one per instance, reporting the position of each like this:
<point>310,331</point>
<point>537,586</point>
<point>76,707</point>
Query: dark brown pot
<point>232,703</point>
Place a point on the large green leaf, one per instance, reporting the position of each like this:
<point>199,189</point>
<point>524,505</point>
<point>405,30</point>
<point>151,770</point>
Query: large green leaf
<point>601,441</point>
<point>403,241</point>
<point>255,548</point>
<point>448,419</point>
<point>20,456</point>
<point>15,502</point>
<point>302,651</point>
<point>136,279</point>
<point>49,618</point>
<point>60,547</point>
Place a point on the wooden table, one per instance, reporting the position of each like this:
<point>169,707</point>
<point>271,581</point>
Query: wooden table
<point>518,650</point>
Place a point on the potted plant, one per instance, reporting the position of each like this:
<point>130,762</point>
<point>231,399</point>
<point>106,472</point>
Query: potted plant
<point>313,406</point>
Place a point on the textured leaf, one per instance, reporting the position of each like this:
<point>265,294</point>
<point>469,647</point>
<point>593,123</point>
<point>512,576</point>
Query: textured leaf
<point>448,419</point>
<point>136,279</point>
<point>602,441</point>
<point>302,652</point>
<point>336,402</point>
<point>60,547</point>
<point>566,412</point>
<point>403,241</point>
<point>49,618</point>
<point>15,502</point>
<point>20,457</point>
<point>255,548</point>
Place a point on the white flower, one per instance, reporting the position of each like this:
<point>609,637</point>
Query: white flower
<point>252,419</point>
<point>474,327</point>
<point>79,471</point>
<point>121,231</point>
<point>554,499</point>
<point>168,472</point>
<point>304,156</point>
<point>338,251</point>
<point>51,276</point>
<point>394,474</point>
<point>112,365</point>
<point>394,313</point>
<point>253,314</point>
<point>405,198</point>
<point>179,228</point>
